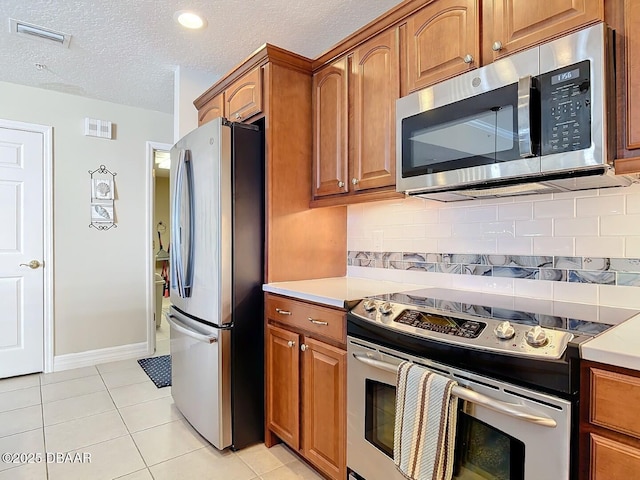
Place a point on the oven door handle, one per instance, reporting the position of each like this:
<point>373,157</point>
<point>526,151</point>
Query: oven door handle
<point>512,409</point>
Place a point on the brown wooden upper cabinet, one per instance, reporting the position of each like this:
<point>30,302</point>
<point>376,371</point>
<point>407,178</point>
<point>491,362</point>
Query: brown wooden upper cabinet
<point>243,98</point>
<point>214,108</point>
<point>517,24</point>
<point>240,101</point>
<point>330,129</point>
<point>443,40</point>
<point>354,119</point>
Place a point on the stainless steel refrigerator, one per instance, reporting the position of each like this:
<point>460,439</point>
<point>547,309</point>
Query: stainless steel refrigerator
<point>216,274</point>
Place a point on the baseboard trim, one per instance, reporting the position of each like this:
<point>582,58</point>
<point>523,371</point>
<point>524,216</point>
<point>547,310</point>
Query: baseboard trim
<point>103,355</point>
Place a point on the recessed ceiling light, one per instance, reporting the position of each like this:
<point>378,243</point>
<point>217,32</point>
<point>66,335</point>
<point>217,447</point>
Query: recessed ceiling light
<point>189,19</point>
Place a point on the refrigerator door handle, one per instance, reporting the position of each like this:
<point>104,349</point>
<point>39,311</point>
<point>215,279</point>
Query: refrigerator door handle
<point>182,328</point>
<point>176,248</point>
<point>188,168</point>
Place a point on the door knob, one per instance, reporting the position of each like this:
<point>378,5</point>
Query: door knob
<point>291,343</point>
<point>304,347</point>
<point>33,264</point>
<point>497,46</point>
<point>354,181</point>
<point>468,58</point>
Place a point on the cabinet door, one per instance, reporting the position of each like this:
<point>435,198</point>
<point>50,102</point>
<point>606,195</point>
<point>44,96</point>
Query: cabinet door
<point>375,87</point>
<point>612,460</point>
<point>632,49</point>
<point>283,385</point>
<point>330,103</point>
<point>243,98</point>
<point>324,409</point>
<point>517,24</point>
<point>214,108</point>
<point>443,40</point>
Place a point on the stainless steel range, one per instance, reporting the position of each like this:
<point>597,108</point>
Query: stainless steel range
<point>516,362</point>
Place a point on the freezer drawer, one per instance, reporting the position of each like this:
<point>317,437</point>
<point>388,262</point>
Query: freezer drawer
<point>200,376</point>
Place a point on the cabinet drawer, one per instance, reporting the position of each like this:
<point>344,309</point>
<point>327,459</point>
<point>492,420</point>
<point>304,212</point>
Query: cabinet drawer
<point>615,401</point>
<point>612,460</point>
<point>322,321</point>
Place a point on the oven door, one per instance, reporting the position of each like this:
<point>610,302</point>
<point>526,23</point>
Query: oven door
<point>504,436</point>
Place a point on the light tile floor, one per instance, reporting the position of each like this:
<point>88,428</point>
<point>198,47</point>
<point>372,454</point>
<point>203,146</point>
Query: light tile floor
<point>131,430</point>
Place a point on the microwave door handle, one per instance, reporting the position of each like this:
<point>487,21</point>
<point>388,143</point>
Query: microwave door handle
<point>511,409</point>
<point>524,117</point>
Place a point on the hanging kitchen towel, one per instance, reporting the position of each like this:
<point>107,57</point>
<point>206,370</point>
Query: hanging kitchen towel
<point>426,414</point>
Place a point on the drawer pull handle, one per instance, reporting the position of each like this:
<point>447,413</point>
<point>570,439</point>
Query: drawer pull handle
<point>283,312</point>
<point>317,322</point>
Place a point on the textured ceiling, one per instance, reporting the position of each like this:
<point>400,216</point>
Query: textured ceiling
<point>126,51</point>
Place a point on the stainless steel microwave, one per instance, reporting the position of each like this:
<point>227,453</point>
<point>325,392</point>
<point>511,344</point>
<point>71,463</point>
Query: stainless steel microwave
<point>536,121</point>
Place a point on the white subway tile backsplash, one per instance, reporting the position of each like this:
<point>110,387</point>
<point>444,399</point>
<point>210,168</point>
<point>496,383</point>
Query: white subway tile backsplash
<point>575,227</point>
<point>486,213</point>
<point>413,231</point>
<point>438,230</point>
<point>595,225</point>
<point>423,245</point>
<point>499,229</point>
<point>499,286</point>
<point>619,296</point>
<point>620,225</point>
<point>449,214</point>
<point>600,247</point>
<point>600,206</point>
<point>575,292</point>
<point>467,245</point>
<point>534,228</point>
<point>527,288</point>
<point>554,209</point>
<point>633,203</point>
<point>632,247</point>
<point>425,216</point>
<point>553,246</point>
<point>516,211</point>
<point>515,246</point>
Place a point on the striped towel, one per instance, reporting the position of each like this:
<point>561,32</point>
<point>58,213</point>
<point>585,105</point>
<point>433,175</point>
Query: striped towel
<point>425,428</point>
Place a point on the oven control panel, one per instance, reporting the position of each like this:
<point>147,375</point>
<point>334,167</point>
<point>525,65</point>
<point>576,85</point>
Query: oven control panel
<point>471,331</point>
<point>441,324</point>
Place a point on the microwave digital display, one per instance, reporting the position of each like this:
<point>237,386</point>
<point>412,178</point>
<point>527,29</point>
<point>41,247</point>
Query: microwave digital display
<point>564,76</point>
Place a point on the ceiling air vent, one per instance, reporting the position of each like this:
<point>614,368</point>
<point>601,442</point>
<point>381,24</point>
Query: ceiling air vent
<point>24,28</point>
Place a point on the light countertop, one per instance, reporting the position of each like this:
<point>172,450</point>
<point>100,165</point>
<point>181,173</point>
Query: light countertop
<point>618,346</point>
<point>336,291</point>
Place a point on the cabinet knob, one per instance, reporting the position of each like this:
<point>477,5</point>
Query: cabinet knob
<point>238,116</point>
<point>354,181</point>
<point>291,343</point>
<point>304,347</point>
<point>468,58</point>
<point>340,184</point>
<point>283,312</point>
<point>497,46</point>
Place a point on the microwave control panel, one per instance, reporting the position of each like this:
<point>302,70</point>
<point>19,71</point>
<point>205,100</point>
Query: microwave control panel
<point>565,97</point>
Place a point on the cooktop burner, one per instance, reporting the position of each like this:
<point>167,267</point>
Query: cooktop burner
<point>497,323</point>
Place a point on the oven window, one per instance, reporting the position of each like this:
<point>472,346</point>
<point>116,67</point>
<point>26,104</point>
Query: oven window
<point>485,453</point>
<point>380,415</point>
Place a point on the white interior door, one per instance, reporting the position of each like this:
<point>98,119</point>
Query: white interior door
<point>21,252</point>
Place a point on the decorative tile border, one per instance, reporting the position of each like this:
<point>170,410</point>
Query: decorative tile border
<point>601,271</point>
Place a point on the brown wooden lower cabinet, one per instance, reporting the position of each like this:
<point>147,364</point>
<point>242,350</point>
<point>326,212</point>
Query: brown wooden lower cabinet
<point>306,384</point>
<point>609,423</point>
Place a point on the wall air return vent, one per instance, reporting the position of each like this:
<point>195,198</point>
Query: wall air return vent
<point>34,31</point>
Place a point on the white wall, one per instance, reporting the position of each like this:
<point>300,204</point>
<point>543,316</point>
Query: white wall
<point>100,278</point>
<point>188,85</point>
<point>594,223</point>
